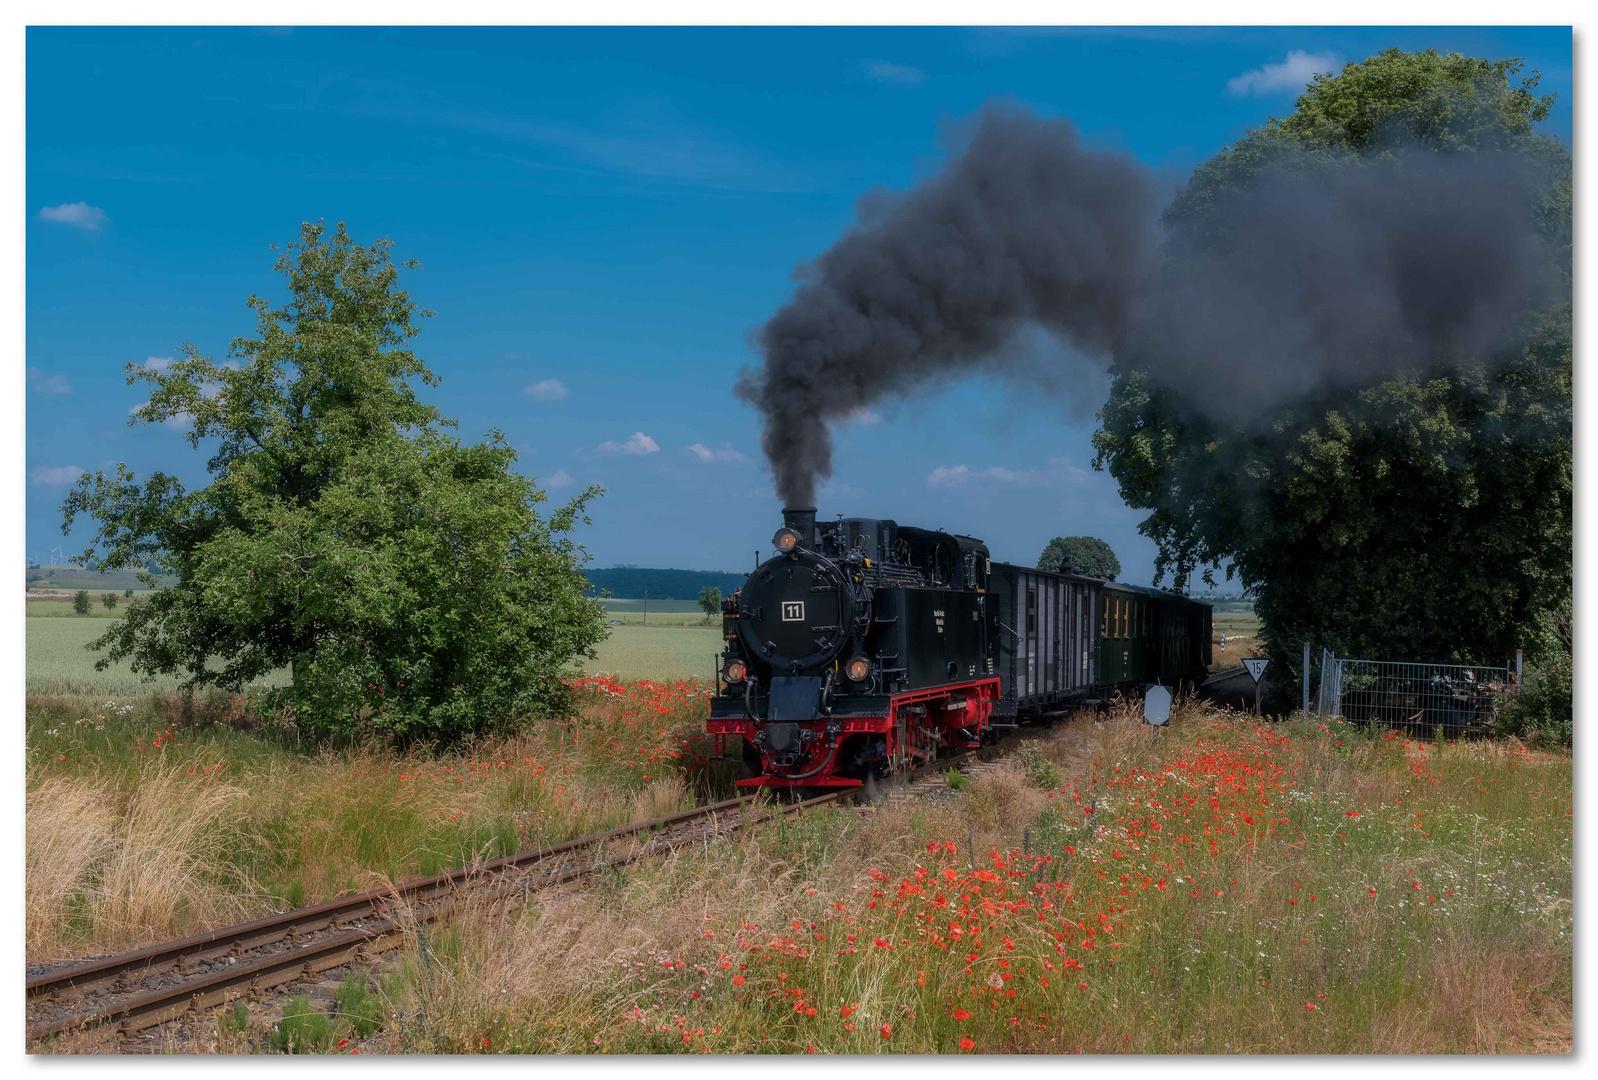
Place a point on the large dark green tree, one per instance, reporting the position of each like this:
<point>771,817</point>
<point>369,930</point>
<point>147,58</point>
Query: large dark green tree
<point>1087,555</point>
<point>405,580</point>
<point>1427,516</point>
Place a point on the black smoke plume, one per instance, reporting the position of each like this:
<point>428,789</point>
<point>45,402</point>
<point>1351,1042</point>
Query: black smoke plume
<point>1316,273</point>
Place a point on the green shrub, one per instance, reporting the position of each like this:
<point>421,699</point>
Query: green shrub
<point>1040,771</point>
<point>1542,712</point>
<point>302,1030</point>
<point>80,602</point>
<point>358,1007</point>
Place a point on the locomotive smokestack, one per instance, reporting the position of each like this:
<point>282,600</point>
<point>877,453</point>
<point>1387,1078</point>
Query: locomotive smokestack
<point>802,520</point>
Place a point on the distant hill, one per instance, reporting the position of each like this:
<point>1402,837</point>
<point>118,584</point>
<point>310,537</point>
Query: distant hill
<point>77,577</point>
<point>629,582</point>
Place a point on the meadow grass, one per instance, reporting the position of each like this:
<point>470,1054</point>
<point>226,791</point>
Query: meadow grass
<point>149,820</point>
<point>1224,887</point>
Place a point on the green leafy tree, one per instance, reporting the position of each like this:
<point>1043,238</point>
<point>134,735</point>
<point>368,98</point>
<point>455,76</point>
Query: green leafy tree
<point>109,599</point>
<point>1087,555</point>
<point>81,604</point>
<point>406,580</point>
<point>127,594</point>
<point>1425,517</point>
<point>710,601</point>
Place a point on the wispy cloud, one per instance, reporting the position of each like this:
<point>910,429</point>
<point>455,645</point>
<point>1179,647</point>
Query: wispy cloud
<point>951,476</point>
<point>902,74</point>
<point>704,453</point>
<point>159,363</point>
<point>660,148</point>
<point>48,384</point>
<point>1290,76</point>
<point>80,215</point>
<point>560,479</point>
<point>638,444</point>
<point>57,475</point>
<point>547,390</point>
<point>957,477</point>
<point>863,417</point>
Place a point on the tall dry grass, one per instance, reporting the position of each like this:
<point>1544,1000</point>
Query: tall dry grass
<point>110,868</point>
<point>141,826</point>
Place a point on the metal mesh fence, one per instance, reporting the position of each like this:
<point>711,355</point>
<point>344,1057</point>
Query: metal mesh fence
<point>1402,694</point>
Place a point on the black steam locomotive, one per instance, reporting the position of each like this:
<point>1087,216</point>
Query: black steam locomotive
<point>866,647</point>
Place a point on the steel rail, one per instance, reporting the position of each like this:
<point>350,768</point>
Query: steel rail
<point>157,1006</point>
<point>343,909</point>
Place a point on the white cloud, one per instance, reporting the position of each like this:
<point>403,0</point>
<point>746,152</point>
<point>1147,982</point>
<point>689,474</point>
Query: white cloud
<point>863,417</point>
<point>49,384</point>
<point>903,74</point>
<point>56,475</point>
<point>950,477</point>
<point>638,444</point>
<point>80,215</point>
<point>159,363</point>
<point>1290,76</point>
<point>704,453</point>
<point>547,390</point>
<point>560,479</point>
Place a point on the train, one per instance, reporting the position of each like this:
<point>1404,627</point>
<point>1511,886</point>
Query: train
<point>863,649</point>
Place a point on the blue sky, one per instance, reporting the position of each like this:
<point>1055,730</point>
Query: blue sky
<point>603,217</point>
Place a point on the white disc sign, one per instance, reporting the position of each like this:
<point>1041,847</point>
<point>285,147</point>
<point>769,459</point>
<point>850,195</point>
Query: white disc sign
<point>1256,666</point>
<point>1157,705</point>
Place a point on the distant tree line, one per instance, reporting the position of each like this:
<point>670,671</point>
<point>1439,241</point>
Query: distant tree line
<point>629,582</point>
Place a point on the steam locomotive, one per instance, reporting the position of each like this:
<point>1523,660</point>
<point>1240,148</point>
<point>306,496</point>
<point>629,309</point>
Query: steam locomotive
<point>865,648</point>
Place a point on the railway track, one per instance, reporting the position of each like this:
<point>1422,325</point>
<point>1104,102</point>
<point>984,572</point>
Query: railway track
<point>150,986</point>
<point>147,987</point>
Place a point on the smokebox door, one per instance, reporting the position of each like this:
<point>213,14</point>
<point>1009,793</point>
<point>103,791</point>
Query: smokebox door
<point>794,697</point>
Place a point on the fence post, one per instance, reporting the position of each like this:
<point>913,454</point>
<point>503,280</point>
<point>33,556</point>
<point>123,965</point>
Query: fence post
<point>1306,680</point>
<point>1518,655</point>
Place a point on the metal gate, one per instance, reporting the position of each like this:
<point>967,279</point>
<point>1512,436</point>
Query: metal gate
<point>1398,694</point>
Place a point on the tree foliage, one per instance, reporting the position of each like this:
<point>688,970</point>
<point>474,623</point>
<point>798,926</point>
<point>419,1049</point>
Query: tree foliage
<point>406,579</point>
<point>710,601</point>
<point>1087,555</point>
<point>1425,517</point>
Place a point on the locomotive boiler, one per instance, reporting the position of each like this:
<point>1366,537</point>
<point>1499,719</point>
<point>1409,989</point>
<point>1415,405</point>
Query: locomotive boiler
<point>864,648</point>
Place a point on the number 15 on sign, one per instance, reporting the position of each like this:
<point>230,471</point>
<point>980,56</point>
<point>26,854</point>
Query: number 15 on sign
<point>1256,668</point>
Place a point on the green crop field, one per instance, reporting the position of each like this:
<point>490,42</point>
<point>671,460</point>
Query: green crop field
<point>658,652</point>
<point>59,663</point>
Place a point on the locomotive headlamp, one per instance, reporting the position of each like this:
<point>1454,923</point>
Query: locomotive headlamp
<point>735,672</point>
<point>858,668</point>
<point>785,540</point>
